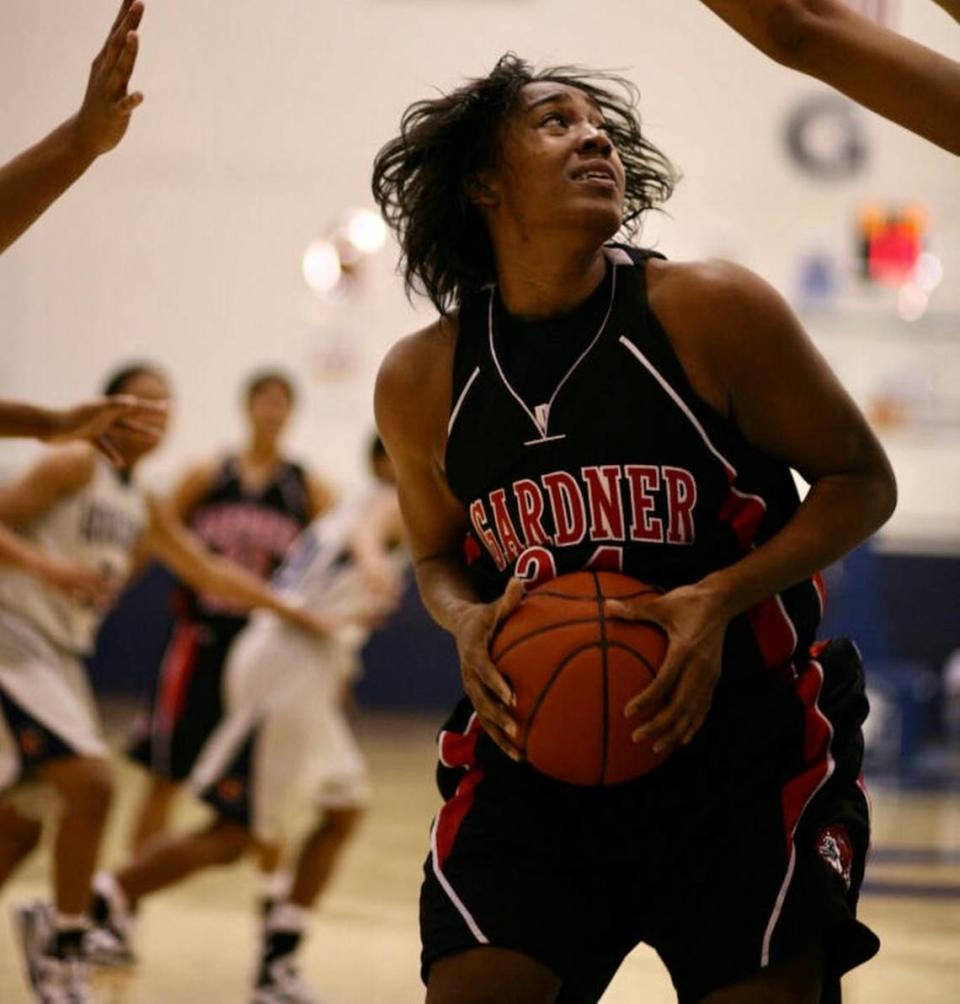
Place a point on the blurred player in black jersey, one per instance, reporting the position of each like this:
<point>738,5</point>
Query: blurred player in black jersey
<point>249,507</point>
<point>584,404</point>
<point>284,746</point>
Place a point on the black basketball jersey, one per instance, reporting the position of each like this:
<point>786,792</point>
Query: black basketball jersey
<point>620,467</point>
<point>254,528</point>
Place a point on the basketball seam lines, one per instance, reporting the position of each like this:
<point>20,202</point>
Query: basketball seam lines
<point>605,676</point>
<point>592,599</point>
<point>536,632</point>
<point>561,666</point>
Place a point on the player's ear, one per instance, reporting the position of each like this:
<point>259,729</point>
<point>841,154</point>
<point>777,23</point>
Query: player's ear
<point>481,189</point>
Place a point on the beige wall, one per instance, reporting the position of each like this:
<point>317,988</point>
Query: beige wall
<point>260,124</point>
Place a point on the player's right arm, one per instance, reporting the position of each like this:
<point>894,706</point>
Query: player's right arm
<point>412,404</point>
<point>893,76</point>
<point>58,474</point>
<point>37,177</point>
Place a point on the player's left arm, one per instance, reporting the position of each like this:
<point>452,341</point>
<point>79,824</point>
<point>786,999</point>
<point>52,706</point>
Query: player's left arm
<point>167,539</point>
<point>908,83</point>
<point>748,355</point>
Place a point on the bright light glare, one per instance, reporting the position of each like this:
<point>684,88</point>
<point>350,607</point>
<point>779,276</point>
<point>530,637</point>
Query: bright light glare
<point>366,230</point>
<point>912,302</point>
<point>321,266</point>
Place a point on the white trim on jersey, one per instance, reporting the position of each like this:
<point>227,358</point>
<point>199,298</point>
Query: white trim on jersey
<point>462,398</point>
<point>543,428</point>
<point>450,891</point>
<point>728,467</point>
<point>791,865</point>
<point>617,256</point>
<point>682,405</point>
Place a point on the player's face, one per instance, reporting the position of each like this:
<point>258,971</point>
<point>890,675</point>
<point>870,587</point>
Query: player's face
<point>558,167</point>
<point>269,410</point>
<point>151,387</point>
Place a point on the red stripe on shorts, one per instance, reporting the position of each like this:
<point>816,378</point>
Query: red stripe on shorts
<point>817,736</point>
<point>457,750</point>
<point>175,674</point>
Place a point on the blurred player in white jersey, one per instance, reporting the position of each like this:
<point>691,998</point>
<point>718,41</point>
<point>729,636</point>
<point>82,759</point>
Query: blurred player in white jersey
<point>284,743</point>
<point>78,527</point>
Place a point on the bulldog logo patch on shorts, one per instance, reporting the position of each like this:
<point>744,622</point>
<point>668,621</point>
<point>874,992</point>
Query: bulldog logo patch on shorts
<point>835,850</point>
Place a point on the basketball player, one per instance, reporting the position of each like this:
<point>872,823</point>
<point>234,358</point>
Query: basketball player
<point>284,742</point>
<point>74,507</point>
<point>36,178</point>
<point>249,507</point>
<point>891,75</point>
<point>583,404</point>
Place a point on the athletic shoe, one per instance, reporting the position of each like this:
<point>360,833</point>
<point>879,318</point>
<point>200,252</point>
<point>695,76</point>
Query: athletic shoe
<point>106,948</point>
<point>280,982</point>
<point>109,942</point>
<point>54,978</point>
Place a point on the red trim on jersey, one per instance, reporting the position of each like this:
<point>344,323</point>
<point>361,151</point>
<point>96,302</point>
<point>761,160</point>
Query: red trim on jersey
<point>457,750</point>
<point>743,513</point>
<point>471,550</point>
<point>176,673</point>
<point>773,631</point>
<point>821,587</point>
<point>817,736</point>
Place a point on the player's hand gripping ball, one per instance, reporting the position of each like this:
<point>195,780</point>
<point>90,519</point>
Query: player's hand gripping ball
<point>573,670</point>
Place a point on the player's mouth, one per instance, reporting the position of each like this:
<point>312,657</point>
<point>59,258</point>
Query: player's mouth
<point>596,174</point>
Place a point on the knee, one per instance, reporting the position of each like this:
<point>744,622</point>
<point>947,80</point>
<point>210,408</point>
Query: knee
<point>341,823</point>
<point>87,788</point>
<point>231,841</point>
<point>22,833</point>
<point>162,790</point>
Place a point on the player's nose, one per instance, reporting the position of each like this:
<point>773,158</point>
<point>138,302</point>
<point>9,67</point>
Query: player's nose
<point>593,139</point>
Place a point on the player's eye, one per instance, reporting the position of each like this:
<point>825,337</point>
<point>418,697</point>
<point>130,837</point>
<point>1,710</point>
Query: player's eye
<point>554,117</point>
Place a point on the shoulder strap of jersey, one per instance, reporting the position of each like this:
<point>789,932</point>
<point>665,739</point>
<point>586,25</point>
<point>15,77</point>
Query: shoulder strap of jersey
<point>652,340</point>
<point>472,325</point>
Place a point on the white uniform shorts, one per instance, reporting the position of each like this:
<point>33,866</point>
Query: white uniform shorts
<point>284,745</point>
<point>47,709</point>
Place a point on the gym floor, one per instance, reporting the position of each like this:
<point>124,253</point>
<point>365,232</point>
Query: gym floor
<point>197,942</point>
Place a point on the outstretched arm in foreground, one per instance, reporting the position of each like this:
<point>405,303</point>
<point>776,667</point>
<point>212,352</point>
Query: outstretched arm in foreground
<point>37,177</point>
<point>93,421</point>
<point>891,75</point>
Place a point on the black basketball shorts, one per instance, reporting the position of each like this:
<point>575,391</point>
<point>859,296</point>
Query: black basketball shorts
<point>742,849</point>
<point>188,701</point>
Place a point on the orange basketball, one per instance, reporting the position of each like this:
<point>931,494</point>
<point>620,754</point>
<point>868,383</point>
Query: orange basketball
<point>573,671</point>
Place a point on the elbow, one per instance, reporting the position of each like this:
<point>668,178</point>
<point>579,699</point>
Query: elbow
<point>886,495</point>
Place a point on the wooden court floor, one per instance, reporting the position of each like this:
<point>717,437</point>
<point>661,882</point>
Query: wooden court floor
<point>197,941</point>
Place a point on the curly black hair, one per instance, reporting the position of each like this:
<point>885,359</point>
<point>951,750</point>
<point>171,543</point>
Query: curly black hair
<point>420,177</point>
